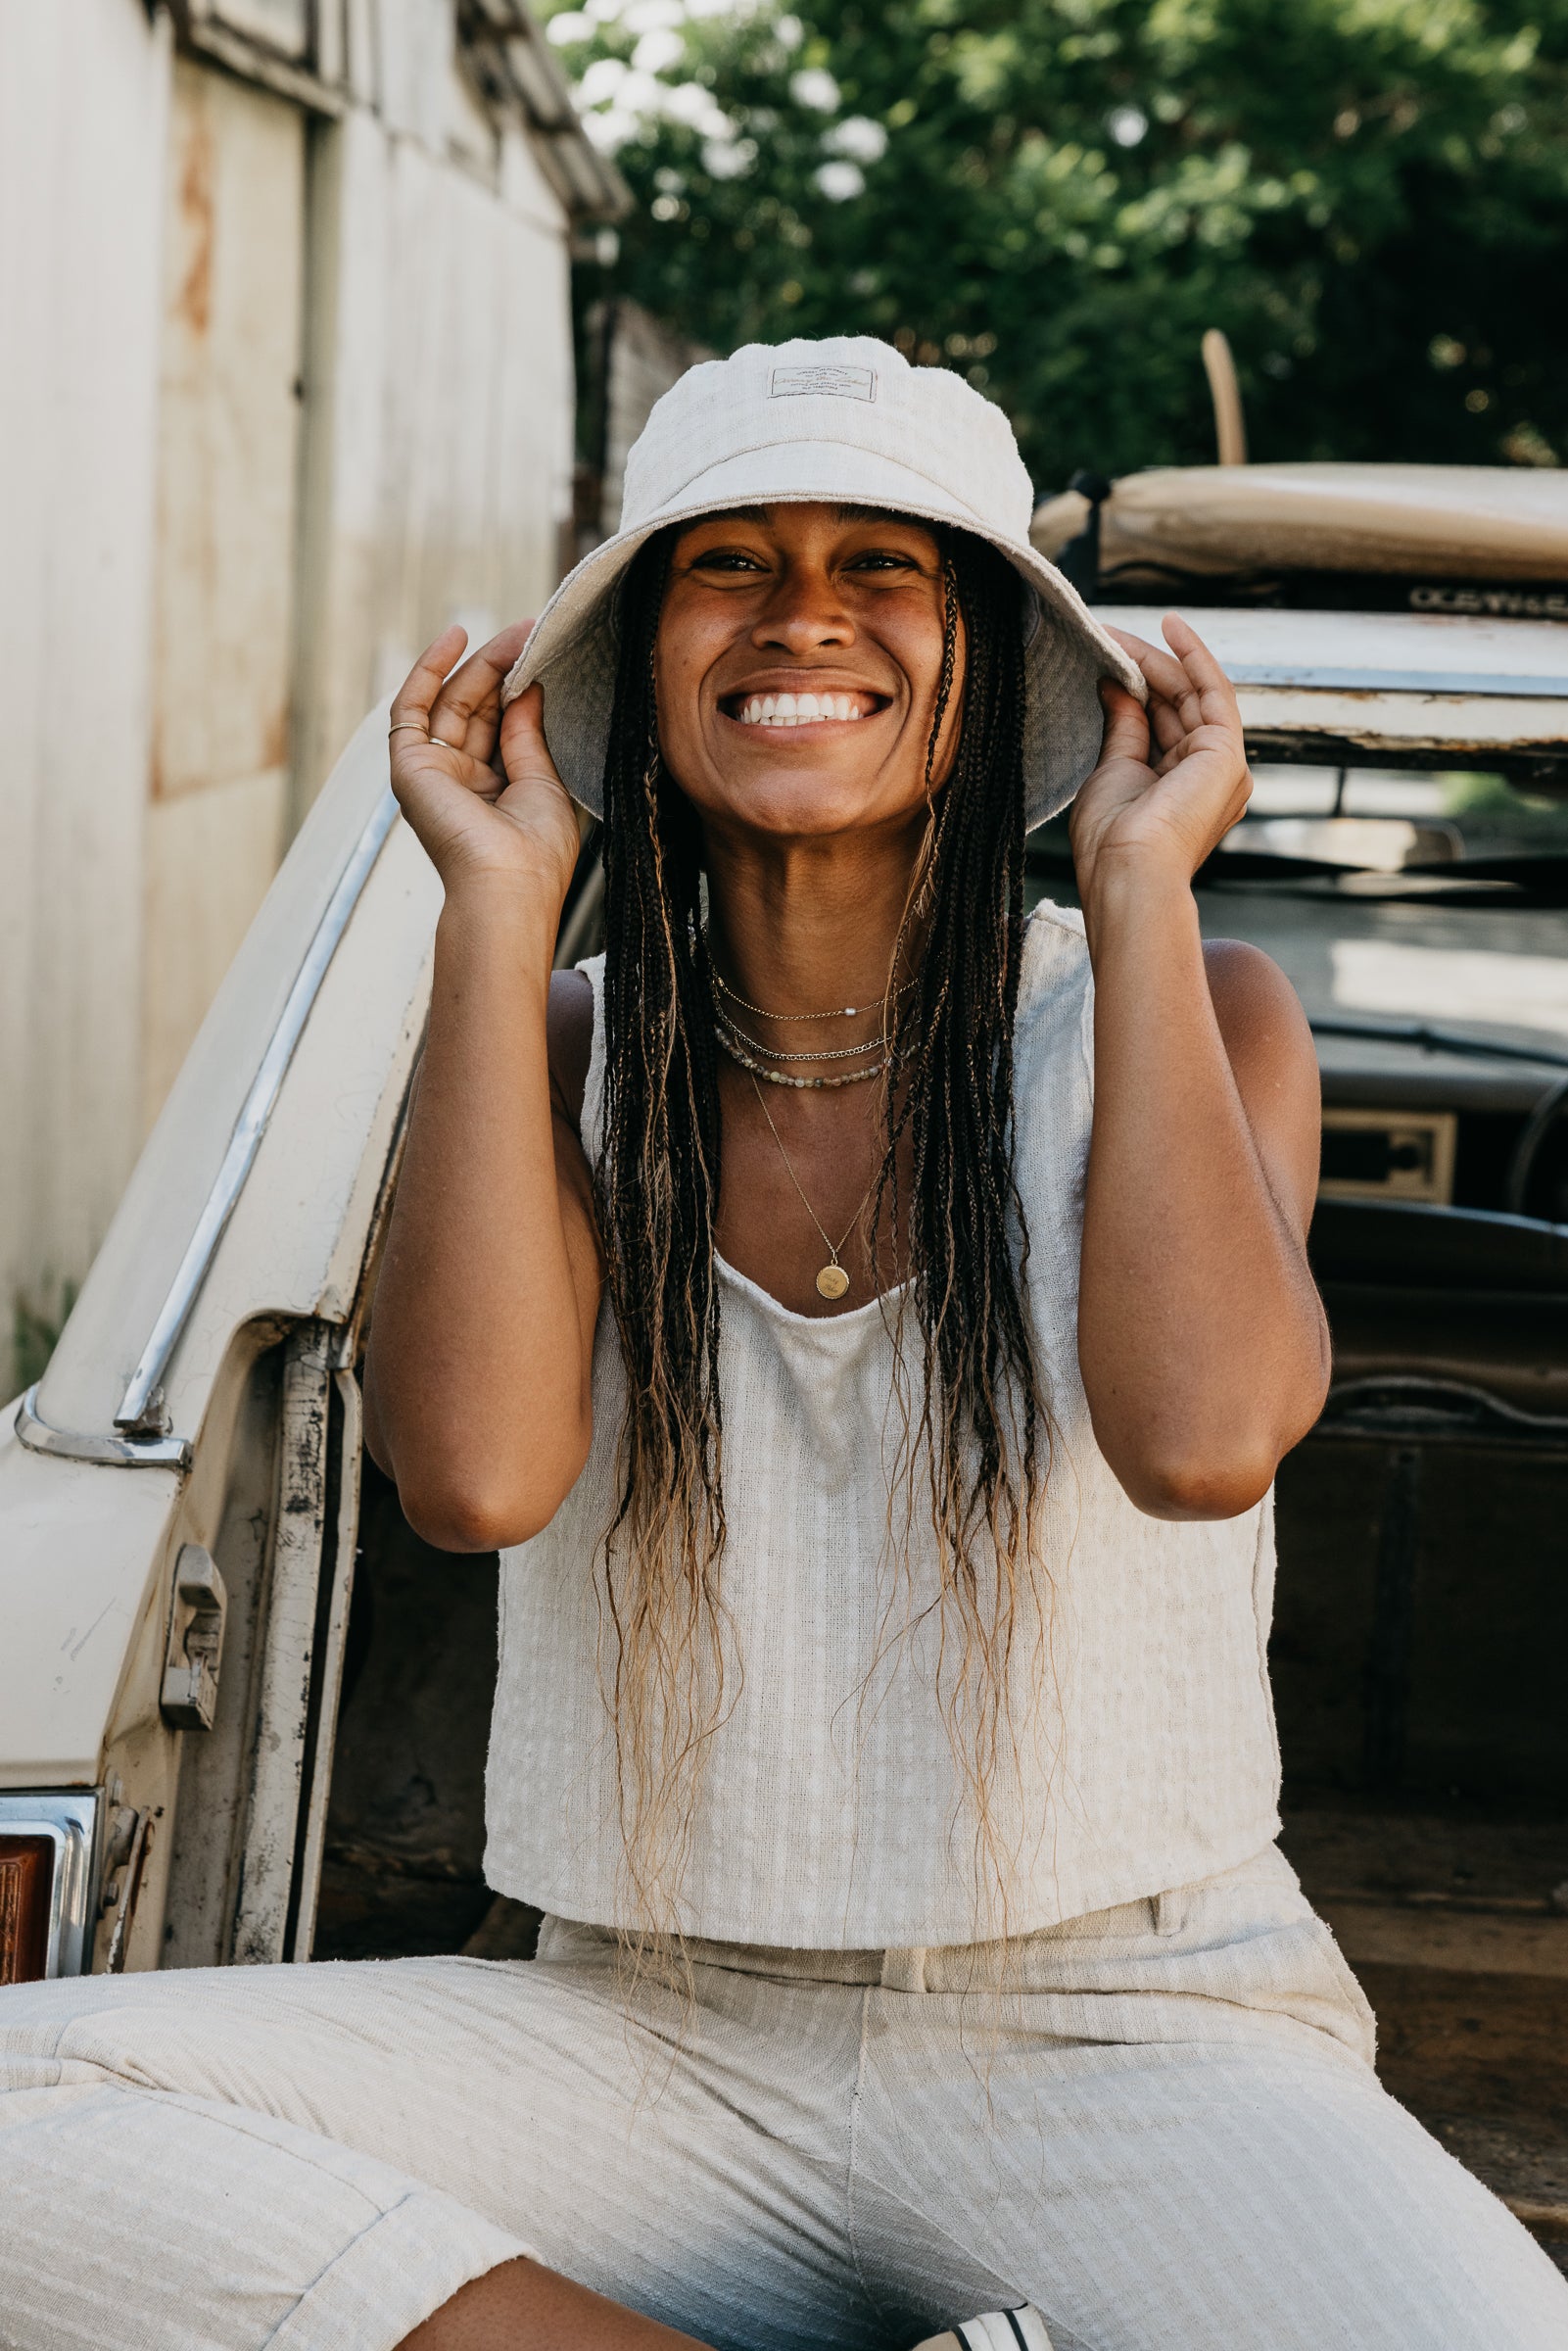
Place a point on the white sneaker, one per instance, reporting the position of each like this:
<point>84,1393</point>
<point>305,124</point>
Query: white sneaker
<point>1020,2329</point>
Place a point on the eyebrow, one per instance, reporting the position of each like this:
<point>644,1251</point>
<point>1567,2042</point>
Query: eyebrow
<point>881,515</point>
<point>758,514</point>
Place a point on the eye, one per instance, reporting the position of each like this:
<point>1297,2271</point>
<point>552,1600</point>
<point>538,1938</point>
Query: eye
<point>725,559</point>
<point>882,558</point>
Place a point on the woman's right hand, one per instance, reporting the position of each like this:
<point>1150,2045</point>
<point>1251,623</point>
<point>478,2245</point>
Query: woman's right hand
<point>477,784</point>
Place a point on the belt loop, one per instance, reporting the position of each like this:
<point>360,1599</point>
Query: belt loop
<point>904,1970</point>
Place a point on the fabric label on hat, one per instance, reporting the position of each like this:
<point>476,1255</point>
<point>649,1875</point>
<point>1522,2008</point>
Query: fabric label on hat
<point>845,383</point>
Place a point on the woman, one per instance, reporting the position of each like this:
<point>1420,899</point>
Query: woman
<point>869,1325</point>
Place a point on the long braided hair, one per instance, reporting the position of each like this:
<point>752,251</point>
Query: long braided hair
<point>974,1413</point>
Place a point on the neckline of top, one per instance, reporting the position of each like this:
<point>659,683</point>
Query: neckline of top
<point>849,1315</point>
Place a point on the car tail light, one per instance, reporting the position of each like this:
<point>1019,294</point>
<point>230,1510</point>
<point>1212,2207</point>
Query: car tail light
<point>46,1852</point>
<point>27,1885</point>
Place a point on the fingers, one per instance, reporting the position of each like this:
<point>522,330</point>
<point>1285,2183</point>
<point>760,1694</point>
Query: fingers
<point>1126,725</point>
<point>1192,704</point>
<point>524,752</point>
<point>417,694</point>
<point>1202,671</point>
<point>467,710</point>
<point>1165,723</point>
<point>1187,677</point>
<point>1137,646</point>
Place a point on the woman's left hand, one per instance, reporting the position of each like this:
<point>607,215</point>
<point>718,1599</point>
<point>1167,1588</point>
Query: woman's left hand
<point>1201,1339</point>
<point>1172,779</point>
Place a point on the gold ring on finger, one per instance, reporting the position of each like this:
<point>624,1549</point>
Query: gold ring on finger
<point>410,726</point>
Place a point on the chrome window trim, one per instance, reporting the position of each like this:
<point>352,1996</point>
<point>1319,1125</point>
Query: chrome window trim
<point>69,1819</point>
<point>141,1407</point>
<point>1451,684</point>
<point>115,1452</point>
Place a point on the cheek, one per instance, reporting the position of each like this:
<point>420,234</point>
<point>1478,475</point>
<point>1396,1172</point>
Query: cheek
<point>677,691</point>
<point>683,656</point>
<point>917,644</point>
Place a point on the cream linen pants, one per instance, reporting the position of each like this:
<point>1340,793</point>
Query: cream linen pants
<point>1163,2130</point>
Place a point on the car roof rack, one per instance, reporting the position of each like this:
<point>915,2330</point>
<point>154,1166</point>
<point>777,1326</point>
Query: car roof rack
<point>1476,540</point>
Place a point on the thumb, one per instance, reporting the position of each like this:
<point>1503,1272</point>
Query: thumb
<point>1126,725</point>
<point>524,752</point>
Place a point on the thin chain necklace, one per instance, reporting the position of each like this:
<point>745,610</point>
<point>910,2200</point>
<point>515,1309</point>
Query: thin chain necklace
<point>831,1281</point>
<point>846,1012</point>
<point>756,1069</point>
<point>870,1044</point>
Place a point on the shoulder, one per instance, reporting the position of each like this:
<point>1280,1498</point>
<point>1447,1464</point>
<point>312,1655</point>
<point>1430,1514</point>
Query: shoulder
<point>570,1030</point>
<point>1259,1013</point>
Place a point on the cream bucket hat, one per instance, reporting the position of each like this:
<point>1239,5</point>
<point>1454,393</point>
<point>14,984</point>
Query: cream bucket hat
<point>851,421</point>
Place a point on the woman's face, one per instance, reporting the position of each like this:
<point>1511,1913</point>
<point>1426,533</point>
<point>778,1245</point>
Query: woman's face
<point>774,617</point>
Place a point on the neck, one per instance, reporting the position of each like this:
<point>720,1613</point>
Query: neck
<point>810,927</point>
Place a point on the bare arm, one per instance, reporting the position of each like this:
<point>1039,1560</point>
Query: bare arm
<point>1201,1337</point>
<point>478,1381</point>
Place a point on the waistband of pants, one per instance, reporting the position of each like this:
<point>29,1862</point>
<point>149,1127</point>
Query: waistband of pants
<point>917,1967</point>
<point>942,1967</point>
<point>1001,1964</point>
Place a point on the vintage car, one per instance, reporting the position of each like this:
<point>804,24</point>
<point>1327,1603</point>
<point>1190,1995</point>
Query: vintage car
<point>243,1708</point>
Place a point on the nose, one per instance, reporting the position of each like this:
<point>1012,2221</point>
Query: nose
<point>804,615</point>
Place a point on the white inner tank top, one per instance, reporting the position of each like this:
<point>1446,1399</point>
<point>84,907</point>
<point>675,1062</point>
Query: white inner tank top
<point>830,1814</point>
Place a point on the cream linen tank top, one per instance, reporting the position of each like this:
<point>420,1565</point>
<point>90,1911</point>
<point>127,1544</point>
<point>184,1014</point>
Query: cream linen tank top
<point>830,1814</point>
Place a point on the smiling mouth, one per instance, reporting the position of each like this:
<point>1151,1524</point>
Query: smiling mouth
<point>800,710</point>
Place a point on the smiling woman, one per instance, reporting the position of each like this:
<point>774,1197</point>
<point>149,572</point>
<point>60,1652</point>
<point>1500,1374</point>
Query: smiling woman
<point>869,1325</point>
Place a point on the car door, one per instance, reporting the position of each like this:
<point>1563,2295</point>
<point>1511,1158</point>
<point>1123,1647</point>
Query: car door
<point>178,1494</point>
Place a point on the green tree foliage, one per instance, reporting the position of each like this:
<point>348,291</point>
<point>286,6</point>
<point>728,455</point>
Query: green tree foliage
<point>1058,196</point>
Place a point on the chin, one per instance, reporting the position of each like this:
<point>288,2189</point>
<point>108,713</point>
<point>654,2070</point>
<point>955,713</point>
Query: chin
<point>797,798</point>
<point>799,807</point>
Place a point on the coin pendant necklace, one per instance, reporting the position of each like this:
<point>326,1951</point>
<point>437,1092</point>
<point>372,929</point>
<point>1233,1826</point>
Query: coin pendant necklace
<point>832,1281</point>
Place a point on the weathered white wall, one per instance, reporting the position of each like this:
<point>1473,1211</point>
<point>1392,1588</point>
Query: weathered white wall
<point>440,433</point>
<point>209,575</point>
<point>227,473</point>
<point>84,97</point>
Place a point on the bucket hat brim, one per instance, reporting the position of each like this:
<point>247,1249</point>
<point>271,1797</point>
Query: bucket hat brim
<point>575,645</point>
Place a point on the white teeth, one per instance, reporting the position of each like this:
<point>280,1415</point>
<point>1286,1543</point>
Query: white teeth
<point>797,710</point>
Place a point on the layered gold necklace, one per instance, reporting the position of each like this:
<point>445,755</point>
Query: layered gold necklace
<point>743,1048</point>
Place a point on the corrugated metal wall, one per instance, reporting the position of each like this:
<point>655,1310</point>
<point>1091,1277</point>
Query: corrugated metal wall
<point>286,385</point>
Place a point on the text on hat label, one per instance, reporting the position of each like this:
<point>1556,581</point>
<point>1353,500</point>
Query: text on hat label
<point>845,383</point>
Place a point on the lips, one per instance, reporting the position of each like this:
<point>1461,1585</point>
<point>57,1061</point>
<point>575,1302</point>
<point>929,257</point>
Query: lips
<point>800,710</point>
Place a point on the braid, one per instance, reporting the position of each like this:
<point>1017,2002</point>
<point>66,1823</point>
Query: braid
<point>656,1189</point>
<point>979,1415</point>
<point>976,1426</point>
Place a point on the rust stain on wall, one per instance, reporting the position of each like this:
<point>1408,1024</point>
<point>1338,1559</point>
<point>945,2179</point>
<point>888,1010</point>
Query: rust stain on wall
<point>276,741</point>
<point>193,302</point>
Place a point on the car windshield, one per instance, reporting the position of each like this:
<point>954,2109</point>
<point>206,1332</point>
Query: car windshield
<point>1390,819</point>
